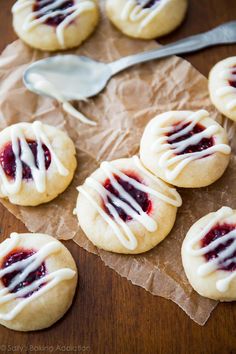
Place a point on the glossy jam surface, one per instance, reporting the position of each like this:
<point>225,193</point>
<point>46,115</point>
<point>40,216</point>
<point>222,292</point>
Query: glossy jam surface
<point>215,233</point>
<point>16,256</point>
<point>204,144</point>
<point>148,4</point>
<point>140,197</point>
<point>54,20</point>
<point>8,162</point>
<point>233,82</point>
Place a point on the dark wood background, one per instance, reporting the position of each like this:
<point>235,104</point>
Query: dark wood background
<point>109,314</point>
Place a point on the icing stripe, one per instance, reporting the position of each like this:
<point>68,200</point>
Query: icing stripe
<point>128,241</point>
<point>125,234</point>
<point>137,13</point>
<point>9,244</point>
<point>175,198</point>
<point>52,280</point>
<point>211,266</point>
<point>25,267</point>
<point>36,18</point>
<point>170,161</point>
<point>39,172</point>
<point>228,90</point>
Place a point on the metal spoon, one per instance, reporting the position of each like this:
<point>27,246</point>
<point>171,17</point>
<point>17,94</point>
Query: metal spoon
<point>77,77</point>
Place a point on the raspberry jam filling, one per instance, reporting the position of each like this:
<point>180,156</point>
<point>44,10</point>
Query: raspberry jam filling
<point>148,4</point>
<point>204,144</point>
<point>215,233</point>
<point>8,161</point>
<point>140,197</point>
<point>16,256</point>
<point>233,82</point>
<point>54,20</point>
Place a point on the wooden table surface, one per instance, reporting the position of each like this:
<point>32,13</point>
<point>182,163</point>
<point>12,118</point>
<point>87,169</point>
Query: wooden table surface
<point>109,314</point>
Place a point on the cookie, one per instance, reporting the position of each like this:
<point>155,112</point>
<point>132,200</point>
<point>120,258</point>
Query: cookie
<point>123,208</point>
<point>146,19</point>
<point>38,279</point>
<point>184,148</point>
<point>209,255</point>
<point>222,87</point>
<point>37,162</point>
<point>54,24</point>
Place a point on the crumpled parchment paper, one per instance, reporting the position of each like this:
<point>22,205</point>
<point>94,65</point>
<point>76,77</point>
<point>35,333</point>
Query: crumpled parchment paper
<point>122,110</point>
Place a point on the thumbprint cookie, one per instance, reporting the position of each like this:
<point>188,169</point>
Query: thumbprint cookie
<point>184,148</point>
<point>123,208</point>
<point>209,255</point>
<point>146,19</point>
<point>54,24</point>
<point>38,278</point>
<point>222,87</point>
<point>37,162</point>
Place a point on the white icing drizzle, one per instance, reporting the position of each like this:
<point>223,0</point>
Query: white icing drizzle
<point>38,17</point>
<point>39,173</point>
<point>213,265</point>
<point>24,268</point>
<point>137,13</point>
<point>170,161</point>
<point>176,198</point>
<point>124,232</point>
<point>41,84</point>
<point>9,244</point>
<point>228,90</point>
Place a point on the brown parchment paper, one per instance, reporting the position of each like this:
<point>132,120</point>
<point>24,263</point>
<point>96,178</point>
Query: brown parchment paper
<point>130,100</point>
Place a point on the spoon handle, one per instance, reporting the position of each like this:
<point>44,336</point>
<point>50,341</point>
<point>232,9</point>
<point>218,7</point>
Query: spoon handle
<point>223,34</point>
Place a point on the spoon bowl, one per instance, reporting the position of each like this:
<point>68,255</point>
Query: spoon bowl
<point>76,77</point>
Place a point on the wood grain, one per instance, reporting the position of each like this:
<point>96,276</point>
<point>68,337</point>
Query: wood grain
<point>109,315</point>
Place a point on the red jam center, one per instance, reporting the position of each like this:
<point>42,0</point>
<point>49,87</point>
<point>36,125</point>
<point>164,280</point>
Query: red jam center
<point>8,161</point>
<point>215,233</point>
<point>204,144</point>
<point>149,4</point>
<point>16,256</point>
<point>233,82</point>
<point>54,20</point>
<point>140,197</point>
